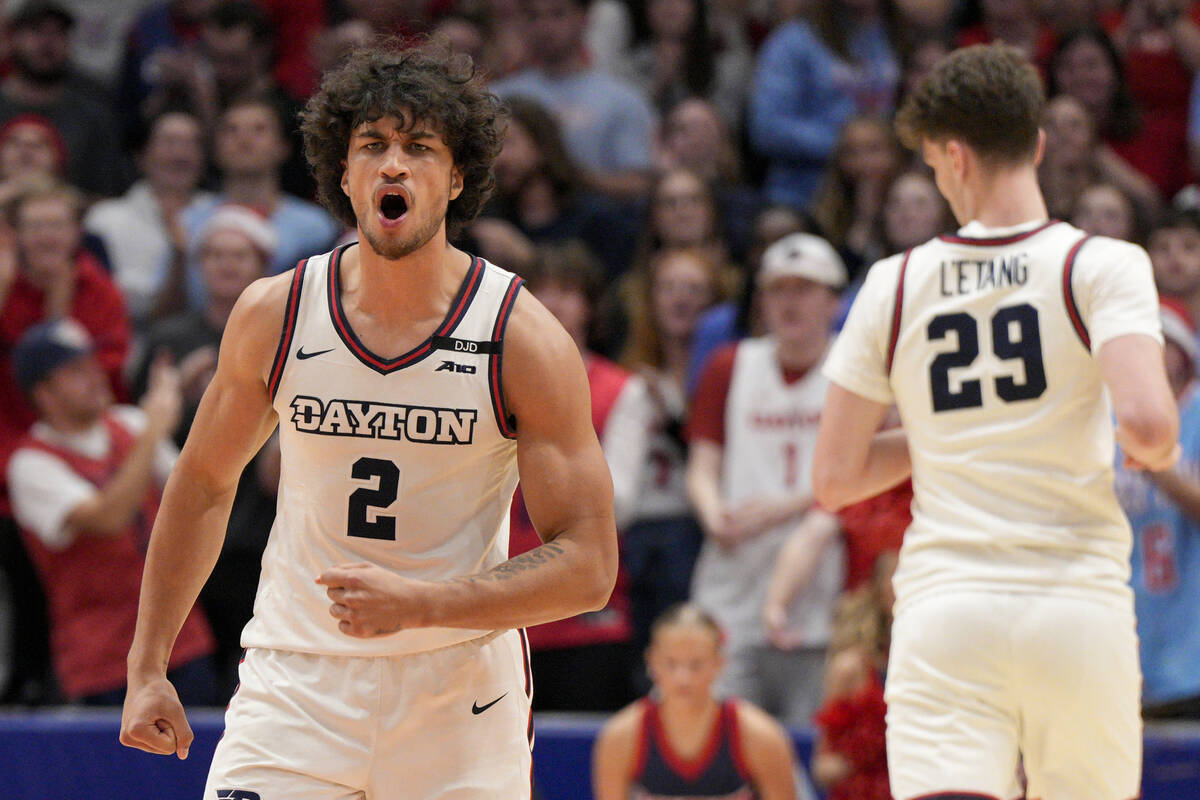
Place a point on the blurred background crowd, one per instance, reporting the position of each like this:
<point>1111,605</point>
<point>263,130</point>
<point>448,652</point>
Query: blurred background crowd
<point>694,187</point>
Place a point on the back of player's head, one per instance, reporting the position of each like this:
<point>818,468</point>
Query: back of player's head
<point>987,96</point>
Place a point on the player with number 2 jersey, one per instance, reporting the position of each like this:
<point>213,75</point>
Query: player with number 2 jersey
<point>409,381</point>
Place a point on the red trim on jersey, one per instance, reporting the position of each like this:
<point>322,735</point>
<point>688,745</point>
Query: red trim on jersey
<point>289,329</point>
<point>525,663</point>
<point>458,308</point>
<point>995,241</point>
<point>528,692</point>
<point>503,419</point>
<point>897,309</point>
<point>734,732</point>
<point>688,770</point>
<point>643,746</point>
<point>1069,295</point>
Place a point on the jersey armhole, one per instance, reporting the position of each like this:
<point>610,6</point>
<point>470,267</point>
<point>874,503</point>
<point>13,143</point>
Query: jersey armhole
<point>897,309</point>
<point>289,329</point>
<point>505,421</point>
<point>1069,294</point>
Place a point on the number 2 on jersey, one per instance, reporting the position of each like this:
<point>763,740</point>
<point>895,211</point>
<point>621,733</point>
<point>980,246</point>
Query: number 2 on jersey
<point>1027,346</point>
<point>357,523</point>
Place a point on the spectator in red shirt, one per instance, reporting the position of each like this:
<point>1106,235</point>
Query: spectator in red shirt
<point>85,486</point>
<point>1087,66</point>
<point>45,274</point>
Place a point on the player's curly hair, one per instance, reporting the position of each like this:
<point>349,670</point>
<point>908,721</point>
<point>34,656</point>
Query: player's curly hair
<point>989,96</point>
<point>426,83</point>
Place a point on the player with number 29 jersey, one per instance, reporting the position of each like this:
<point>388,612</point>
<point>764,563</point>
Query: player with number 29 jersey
<point>375,464</point>
<point>984,341</point>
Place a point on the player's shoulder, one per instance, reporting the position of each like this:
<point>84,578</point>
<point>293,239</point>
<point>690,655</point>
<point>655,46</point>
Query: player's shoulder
<point>258,318</point>
<point>886,271</point>
<point>1106,248</point>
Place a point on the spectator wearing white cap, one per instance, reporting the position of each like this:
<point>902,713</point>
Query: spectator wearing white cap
<point>1164,512</point>
<point>233,249</point>
<point>751,433</point>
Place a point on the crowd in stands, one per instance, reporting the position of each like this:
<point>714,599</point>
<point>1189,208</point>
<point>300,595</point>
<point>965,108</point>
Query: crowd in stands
<point>696,189</point>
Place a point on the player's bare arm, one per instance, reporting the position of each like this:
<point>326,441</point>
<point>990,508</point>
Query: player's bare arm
<point>854,460</point>
<point>1147,418</point>
<point>614,754</point>
<point>768,752</point>
<point>234,419</point>
<point>568,493</point>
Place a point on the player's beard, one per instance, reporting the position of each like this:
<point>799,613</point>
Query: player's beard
<point>394,249</point>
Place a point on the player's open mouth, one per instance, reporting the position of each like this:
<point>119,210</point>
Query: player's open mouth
<point>393,204</point>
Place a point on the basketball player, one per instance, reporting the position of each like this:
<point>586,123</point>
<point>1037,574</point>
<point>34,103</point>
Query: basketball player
<point>682,742</point>
<point>1014,629</point>
<point>409,381</point>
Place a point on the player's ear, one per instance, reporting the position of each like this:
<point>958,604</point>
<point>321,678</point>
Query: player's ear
<point>1041,147</point>
<point>345,180</point>
<point>958,157</point>
<point>456,182</point>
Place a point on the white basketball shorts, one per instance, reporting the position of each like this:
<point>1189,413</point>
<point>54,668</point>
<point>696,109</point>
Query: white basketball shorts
<point>976,678</point>
<point>452,724</point>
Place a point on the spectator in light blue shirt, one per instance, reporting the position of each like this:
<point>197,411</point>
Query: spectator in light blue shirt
<point>608,125</point>
<point>1164,511</point>
<point>250,148</point>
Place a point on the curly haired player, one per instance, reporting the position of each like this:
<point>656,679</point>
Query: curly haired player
<point>410,382</point>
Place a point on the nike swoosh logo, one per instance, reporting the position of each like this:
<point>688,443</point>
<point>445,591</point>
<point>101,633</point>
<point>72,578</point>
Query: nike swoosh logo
<point>300,354</point>
<point>478,709</point>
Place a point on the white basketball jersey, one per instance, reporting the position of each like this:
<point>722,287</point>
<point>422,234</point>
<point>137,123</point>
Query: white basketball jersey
<point>408,462</point>
<point>770,435</point>
<point>985,343</point>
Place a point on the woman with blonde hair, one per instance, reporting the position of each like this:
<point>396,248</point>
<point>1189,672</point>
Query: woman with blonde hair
<point>682,741</point>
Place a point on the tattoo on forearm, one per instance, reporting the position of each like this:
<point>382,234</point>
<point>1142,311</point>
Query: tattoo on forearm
<point>531,559</point>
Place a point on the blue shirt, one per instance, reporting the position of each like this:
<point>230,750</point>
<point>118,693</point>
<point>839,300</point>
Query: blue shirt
<point>607,125</point>
<point>1166,571</point>
<point>302,229</point>
<point>803,93</point>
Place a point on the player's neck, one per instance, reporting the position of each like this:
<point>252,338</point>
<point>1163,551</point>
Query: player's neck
<point>1006,197</point>
<point>416,286</point>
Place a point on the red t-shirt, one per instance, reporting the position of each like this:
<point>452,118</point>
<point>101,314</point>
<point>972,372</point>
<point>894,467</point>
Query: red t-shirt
<point>92,586</point>
<point>612,623</point>
<point>1161,85</point>
<point>872,527</point>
